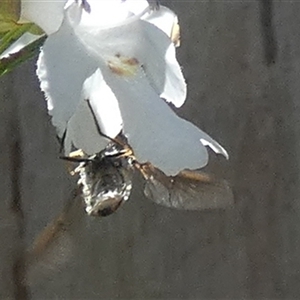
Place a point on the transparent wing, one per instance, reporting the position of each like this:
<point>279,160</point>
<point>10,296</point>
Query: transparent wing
<point>189,190</point>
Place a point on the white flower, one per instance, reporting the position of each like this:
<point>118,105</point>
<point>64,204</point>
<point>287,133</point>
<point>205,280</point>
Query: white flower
<point>116,59</point>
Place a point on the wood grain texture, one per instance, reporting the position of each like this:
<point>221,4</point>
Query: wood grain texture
<point>147,251</point>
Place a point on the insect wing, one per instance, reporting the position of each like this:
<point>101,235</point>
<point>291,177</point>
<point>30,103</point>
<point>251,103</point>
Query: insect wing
<point>189,190</point>
<point>54,246</point>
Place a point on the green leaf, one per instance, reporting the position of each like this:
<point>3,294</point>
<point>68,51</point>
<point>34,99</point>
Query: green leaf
<point>9,14</point>
<point>14,60</point>
<point>34,29</point>
<point>13,35</point>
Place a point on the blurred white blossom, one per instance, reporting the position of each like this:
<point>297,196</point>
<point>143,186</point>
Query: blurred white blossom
<point>114,61</point>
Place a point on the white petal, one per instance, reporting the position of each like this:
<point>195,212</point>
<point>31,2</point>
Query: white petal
<point>136,7</point>
<point>105,13</point>
<point>46,14</point>
<point>154,131</point>
<point>82,132</point>
<point>67,76</point>
<point>161,66</point>
<point>146,43</point>
<point>163,18</point>
<point>83,127</point>
<point>208,141</point>
<point>104,104</point>
<point>62,68</point>
<point>175,87</point>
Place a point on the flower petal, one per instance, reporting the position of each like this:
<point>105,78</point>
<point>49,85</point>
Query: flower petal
<point>82,132</point>
<point>46,14</point>
<point>62,71</point>
<point>206,140</point>
<point>163,18</point>
<point>98,113</point>
<point>144,41</point>
<point>105,14</point>
<point>154,131</point>
<point>104,103</point>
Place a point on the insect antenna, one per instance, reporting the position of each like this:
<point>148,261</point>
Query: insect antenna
<point>61,141</point>
<point>76,159</point>
<point>119,140</point>
<point>114,140</point>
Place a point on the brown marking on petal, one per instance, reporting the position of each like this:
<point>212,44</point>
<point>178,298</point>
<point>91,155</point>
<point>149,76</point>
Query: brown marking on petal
<point>115,68</point>
<point>130,61</point>
<point>123,66</point>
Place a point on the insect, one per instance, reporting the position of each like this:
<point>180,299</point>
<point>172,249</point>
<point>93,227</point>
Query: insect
<point>106,181</point>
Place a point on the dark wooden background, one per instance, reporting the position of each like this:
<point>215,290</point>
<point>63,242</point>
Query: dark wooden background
<point>241,60</point>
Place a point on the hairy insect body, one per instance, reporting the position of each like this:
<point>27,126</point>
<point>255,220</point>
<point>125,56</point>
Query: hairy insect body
<point>106,180</point>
